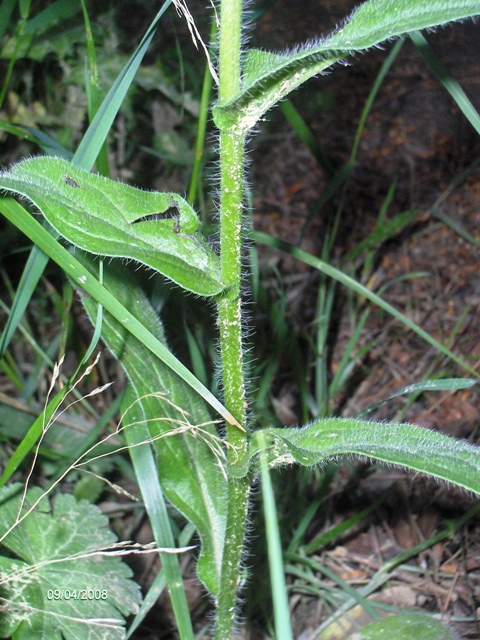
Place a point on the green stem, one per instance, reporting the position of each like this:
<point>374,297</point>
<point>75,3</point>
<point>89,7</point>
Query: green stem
<point>231,210</point>
<point>229,49</point>
<point>229,306</point>
<point>230,318</point>
<point>238,492</point>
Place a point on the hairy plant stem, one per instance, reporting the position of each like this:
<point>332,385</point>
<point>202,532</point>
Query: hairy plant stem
<point>230,320</point>
<point>230,317</point>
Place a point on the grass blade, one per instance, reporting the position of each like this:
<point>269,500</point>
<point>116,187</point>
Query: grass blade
<point>305,134</point>
<point>85,156</point>
<point>34,230</point>
<point>57,11</point>
<point>32,273</point>
<point>31,438</point>
<point>99,128</point>
<point>450,84</point>
<point>6,10</point>
<point>447,384</point>
<point>323,267</point>
<point>277,574</point>
<point>147,477</point>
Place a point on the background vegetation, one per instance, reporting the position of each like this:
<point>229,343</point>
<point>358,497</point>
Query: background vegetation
<point>410,233</point>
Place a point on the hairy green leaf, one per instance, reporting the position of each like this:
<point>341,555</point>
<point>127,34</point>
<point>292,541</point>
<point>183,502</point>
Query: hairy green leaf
<point>270,77</point>
<point>189,455</point>
<point>61,578</point>
<point>413,626</point>
<point>407,445</point>
<point>109,218</point>
<point>26,223</point>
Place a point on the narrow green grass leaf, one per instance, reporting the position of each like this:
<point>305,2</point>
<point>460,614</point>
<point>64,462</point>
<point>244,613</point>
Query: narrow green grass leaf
<point>138,438</point>
<point>16,214</point>
<point>446,384</point>
<point>159,583</point>
<point>452,527</point>
<point>383,574</point>
<point>188,450</point>
<point>385,68</point>
<point>32,437</point>
<point>334,273</point>
<point>407,445</point>
<point>49,145</point>
<point>196,355</point>
<point>20,40</point>
<point>17,130</point>
<point>52,14</point>
<point>306,135</point>
<point>352,353</point>
<point>203,118</point>
<point>450,84</point>
<point>455,226</point>
<point>6,10</point>
<point>382,232</point>
<point>335,532</point>
<point>319,568</point>
<point>100,126</point>
<point>37,260</point>
<point>93,90</point>
<point>155,591</point>
<point>283,629</point>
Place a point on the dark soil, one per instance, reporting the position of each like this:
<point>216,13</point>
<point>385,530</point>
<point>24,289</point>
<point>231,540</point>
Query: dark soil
<point>416,136</point>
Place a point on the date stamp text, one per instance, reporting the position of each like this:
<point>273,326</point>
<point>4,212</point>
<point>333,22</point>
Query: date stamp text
<point>77,594</point>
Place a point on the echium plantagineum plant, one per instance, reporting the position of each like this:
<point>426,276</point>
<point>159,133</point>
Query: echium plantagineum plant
<point>174,444</point>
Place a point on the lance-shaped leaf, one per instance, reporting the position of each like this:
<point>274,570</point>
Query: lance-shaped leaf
<point>270,77</point>
<point>109,218</point>
<point>189,455</point>
<point>406,445</point>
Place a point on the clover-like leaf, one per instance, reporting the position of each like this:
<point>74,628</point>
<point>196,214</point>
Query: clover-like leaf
<point>58,575</point>
<point>109,218</point>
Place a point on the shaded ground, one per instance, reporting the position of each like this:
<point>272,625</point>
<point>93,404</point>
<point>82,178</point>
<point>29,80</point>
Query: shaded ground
<point>416,136</point>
